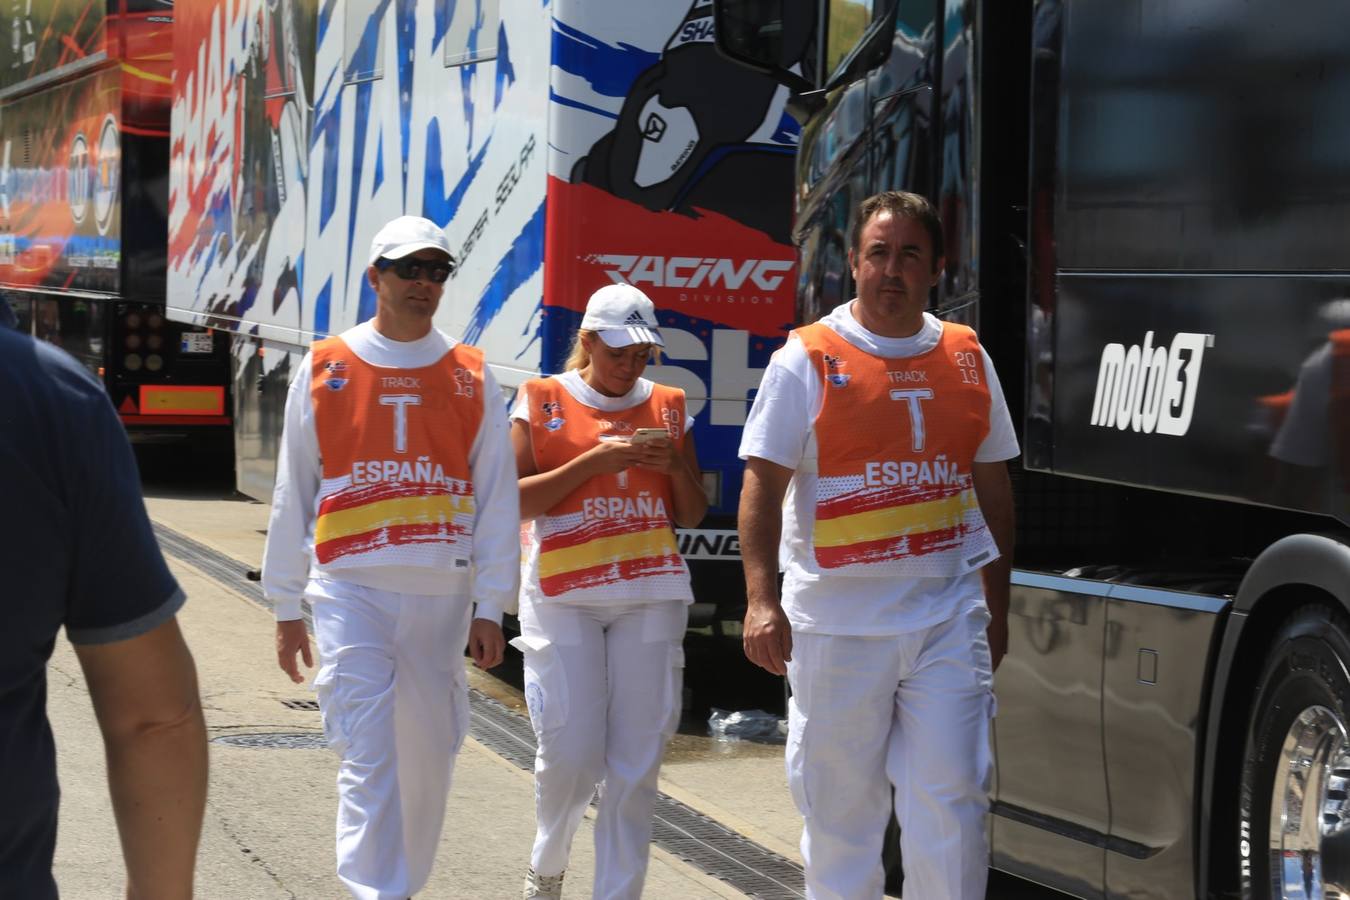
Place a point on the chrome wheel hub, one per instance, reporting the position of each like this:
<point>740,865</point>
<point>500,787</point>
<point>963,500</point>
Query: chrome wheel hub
<point>1310,809</point>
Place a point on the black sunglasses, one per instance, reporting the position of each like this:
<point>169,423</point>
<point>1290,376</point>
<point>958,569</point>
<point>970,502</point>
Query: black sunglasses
<point>410,269</point>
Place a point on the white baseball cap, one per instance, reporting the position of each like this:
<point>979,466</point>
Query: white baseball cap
<point>408,234</point>
<point>622,315</point>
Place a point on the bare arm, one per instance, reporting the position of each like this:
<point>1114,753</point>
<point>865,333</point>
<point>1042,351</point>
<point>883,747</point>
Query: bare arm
<point>993,490</point>
<point>767,635</point>
<point>691,500</point>
<point>144,691</point>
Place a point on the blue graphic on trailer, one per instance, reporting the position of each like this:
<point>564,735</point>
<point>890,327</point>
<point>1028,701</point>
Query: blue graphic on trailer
<point>518,265</point>
<point>609,69</point>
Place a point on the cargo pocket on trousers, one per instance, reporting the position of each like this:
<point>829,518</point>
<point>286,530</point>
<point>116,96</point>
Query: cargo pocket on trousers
<point>985,753</point>
<point>794,758</point>
<point>977,621</point>
<point>334,727</point>
<point>674,693</point>
<point>545,683</point>
<point>459,708</point>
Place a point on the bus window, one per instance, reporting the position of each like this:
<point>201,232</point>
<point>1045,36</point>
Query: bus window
<point>900,142</point>
<point>824,278</point>
<point>364,42</point>
<point>832,274</point>
<point>913,18</point>
<point>473,31</point>
<point>847,23</point>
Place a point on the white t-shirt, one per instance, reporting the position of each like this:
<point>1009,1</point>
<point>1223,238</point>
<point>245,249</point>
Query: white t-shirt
<point>288,559</point>
<point>780,430</point>
<point>583,393</point>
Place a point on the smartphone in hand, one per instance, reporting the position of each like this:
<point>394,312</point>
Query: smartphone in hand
<point>643,435</point>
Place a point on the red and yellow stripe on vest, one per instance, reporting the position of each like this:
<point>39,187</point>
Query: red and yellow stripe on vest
<point>395,448</point>
<point>612,534</point>
<point>896,440</point>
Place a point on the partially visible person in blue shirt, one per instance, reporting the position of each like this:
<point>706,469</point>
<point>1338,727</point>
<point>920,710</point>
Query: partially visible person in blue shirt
<point>77,550</point>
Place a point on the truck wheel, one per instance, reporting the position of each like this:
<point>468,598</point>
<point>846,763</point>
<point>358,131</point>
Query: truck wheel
<point>1294,801</point>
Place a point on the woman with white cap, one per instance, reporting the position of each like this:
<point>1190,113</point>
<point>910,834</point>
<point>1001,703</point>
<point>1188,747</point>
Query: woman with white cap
<point>607,468</point>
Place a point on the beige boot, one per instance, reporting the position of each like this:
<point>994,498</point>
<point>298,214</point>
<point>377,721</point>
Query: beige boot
<point>543,887</point>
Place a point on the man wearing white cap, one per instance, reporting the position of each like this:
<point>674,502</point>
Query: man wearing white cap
<point>607,469</point>
<point>393,515</point>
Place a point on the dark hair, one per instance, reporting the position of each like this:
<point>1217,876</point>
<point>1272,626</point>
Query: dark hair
<point>900,203</point>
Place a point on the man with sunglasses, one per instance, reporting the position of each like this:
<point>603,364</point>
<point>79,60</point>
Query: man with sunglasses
<point>395,516</point>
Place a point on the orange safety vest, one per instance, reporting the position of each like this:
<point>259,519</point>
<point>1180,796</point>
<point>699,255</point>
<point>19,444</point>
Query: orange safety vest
<point>896,440</point>
<point>394,444</point>
<point>612,536</point>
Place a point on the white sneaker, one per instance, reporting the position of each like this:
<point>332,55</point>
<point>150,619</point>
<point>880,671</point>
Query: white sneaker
<point>543,887</point>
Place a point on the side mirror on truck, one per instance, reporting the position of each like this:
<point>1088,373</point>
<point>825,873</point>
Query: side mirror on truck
<point>808,45</point>
<point>770,36</point>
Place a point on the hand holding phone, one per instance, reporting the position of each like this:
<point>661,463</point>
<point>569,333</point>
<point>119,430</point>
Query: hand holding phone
<point>644,435</point>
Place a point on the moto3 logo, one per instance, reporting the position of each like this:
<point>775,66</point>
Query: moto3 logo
<point>1150,389</point>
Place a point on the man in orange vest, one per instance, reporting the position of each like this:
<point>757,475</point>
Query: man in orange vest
<point>886,432</point>
<point>396,516</point>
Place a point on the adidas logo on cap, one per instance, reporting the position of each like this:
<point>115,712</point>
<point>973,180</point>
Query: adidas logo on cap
<point>622,315</point>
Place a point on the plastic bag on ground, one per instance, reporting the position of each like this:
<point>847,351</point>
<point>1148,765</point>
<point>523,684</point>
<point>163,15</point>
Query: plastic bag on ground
<point>747,725</point>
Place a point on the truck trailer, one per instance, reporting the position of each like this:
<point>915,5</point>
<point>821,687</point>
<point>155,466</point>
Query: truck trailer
<point>562,145</point>
<point>1145,209</point>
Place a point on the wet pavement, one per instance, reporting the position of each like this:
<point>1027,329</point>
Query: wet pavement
<point>270,817</point>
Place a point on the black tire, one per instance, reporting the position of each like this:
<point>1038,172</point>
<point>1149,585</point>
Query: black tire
<point>1304,682</point>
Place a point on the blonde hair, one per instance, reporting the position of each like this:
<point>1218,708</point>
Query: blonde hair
<point>579,357</point>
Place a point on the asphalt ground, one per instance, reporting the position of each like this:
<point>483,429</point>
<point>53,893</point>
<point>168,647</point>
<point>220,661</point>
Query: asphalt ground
<point>269,823</point>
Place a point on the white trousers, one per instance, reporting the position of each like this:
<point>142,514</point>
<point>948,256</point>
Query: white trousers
<point>394,698</point>
<point>603,686</point>
<point>909,710</point>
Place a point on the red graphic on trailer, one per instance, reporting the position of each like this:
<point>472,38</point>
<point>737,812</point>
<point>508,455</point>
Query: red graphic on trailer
<point>230,120</point>
<point>708,266</point>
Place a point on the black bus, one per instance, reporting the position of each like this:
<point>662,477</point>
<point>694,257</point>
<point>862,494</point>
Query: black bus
<point>1147,213</point>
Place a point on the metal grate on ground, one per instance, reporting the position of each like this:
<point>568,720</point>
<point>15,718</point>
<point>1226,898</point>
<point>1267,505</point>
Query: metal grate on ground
<point>308,705</point>
<point>278,740</point>
<point>227,571</point>
<point>677,828</point>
